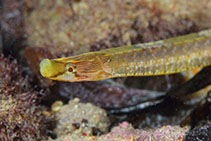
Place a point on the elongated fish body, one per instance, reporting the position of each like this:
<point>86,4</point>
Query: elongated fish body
<point>167,56</point>
<point>162,57</point>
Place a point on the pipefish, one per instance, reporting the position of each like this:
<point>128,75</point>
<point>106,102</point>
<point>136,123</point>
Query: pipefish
<point>172,55</point>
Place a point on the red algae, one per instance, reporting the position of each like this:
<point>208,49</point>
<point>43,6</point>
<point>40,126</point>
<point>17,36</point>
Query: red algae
<point>20,117</point>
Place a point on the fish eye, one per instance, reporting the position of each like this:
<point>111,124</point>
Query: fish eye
<point>70,68</point>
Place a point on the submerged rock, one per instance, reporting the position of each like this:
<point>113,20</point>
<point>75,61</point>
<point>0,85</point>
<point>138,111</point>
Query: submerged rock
<point>125,131</point>
<point>78,119</point>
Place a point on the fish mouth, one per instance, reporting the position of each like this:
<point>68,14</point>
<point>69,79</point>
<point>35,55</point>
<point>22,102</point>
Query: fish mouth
<point>50,68</point>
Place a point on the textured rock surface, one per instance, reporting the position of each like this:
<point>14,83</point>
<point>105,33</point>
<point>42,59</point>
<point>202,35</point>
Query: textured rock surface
<point>126,132</point>
<point>78,118</point>
<point>81,26</point>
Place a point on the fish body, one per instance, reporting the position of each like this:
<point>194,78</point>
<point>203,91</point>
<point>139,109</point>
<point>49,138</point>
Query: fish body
<point>162,57</point>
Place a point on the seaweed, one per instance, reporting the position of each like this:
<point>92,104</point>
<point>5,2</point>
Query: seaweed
<point>20,117</point>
